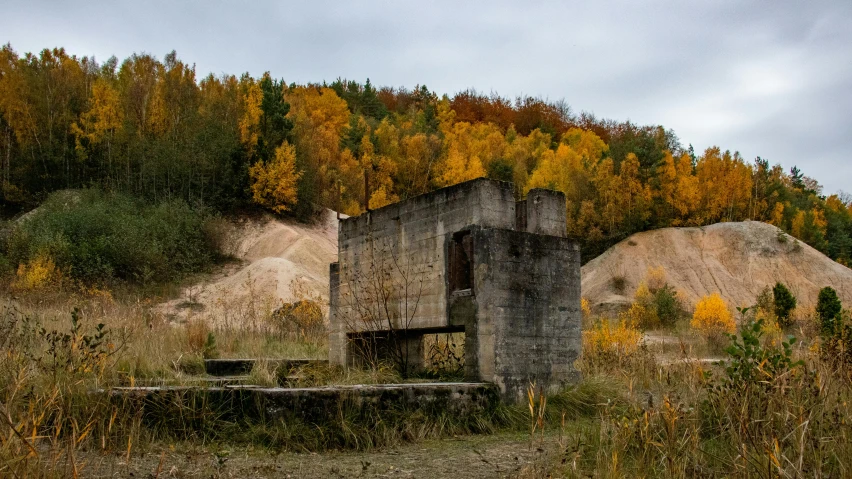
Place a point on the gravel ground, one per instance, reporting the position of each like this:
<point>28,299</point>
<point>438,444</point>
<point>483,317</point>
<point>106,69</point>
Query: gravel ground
<point>496,456</point>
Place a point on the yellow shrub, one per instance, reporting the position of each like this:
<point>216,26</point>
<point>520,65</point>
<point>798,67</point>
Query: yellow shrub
<point>603,341</point>
<point>655,278</point>
<point>307,315</point>
<point>95,292</point>
<point>772,332</point>
<point>643,293</point>
<point>586,308</point>
<point>712,318</point>
<point>642,313</point>
<point>37,273</point>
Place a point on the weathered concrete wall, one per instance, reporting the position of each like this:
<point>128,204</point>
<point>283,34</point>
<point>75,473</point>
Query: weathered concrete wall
<point>474,260</point>
<point>527,301</point>
<point>338,347</point>
<point>409,239</point>
<point>545,213</point>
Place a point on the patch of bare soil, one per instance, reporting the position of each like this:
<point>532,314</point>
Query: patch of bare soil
<point>737,260</point>
<point>495,456</point>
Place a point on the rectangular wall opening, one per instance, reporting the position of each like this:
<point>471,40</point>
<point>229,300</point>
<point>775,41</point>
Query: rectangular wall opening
<point>444,354</point>
<point>461,262</point>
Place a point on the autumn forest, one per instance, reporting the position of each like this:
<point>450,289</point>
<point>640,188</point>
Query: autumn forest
<point>152,129</point>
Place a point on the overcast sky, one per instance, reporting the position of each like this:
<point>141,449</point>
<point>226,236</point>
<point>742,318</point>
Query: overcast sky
<point>768,78</point>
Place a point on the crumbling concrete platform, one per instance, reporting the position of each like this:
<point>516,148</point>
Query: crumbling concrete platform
<point>240,366</point>
<point>314,405</point>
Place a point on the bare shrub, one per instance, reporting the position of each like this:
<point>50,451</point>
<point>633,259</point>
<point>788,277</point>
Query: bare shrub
<point>197,331</point>
<point>378,303</point>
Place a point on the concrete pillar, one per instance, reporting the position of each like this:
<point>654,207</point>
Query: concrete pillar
<point>528,319</point>
<point>462,312</point>
<point>338,344</point>
<point>411,347</point>
<point>545,212</point>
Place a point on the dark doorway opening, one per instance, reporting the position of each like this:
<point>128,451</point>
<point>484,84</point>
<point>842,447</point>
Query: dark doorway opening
<point>461,262</point>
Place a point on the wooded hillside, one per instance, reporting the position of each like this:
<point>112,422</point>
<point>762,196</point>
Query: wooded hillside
<point>154,130</point>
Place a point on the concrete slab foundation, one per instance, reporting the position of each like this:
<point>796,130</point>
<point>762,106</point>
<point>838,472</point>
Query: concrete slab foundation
<point>238,366</point>
<point>312,405</point>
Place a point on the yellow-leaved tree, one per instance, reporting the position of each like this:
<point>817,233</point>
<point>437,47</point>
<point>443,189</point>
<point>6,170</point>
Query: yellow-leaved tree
<point>457,168</point>
<point>712,318</point>
<point>634,199</point>
<point>523,153</point>
<point>103,118</point>
<point>725,184</point>
<point>382,170</point>
<point>777,218</point>
<point>273,184</point>
<point>250,99</point>
<point>468,149</point>
<point>576,169</point>
<point>320,119</point>
<point>678,188</point>
<point>589,145</point>
<point>809,226</point>
<point>557,170</point>
<point>464,155</point>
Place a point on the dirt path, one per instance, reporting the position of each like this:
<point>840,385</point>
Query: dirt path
<point>502,455</point>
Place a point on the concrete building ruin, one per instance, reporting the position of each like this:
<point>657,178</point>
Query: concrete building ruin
<point>466,258</point>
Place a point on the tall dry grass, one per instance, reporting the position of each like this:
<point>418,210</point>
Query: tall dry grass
<point>55,362</point>
<point>770,409</point>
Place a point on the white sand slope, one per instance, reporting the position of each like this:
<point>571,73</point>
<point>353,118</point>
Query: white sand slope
<point>281,262</point>
<point>736,260</point>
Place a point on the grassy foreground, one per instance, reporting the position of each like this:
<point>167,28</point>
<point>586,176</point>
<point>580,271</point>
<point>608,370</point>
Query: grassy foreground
<point>649,406</point>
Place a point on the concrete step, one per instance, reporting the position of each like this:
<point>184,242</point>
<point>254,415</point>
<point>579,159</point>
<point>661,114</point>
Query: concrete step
<point>204,381</point>
<point>240,366</point>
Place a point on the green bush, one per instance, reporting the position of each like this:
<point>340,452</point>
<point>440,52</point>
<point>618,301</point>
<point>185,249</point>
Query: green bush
<point>95,236</point>
<point>668,305</point>
<point>764,302</point>
<point>752,364</point>
<point>828,311</point>
<point>785,303</point>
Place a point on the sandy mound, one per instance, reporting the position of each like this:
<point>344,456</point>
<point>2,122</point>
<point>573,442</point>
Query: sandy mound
<point>281,262</point>
<point>736,260</point>
<point>288,261</point>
